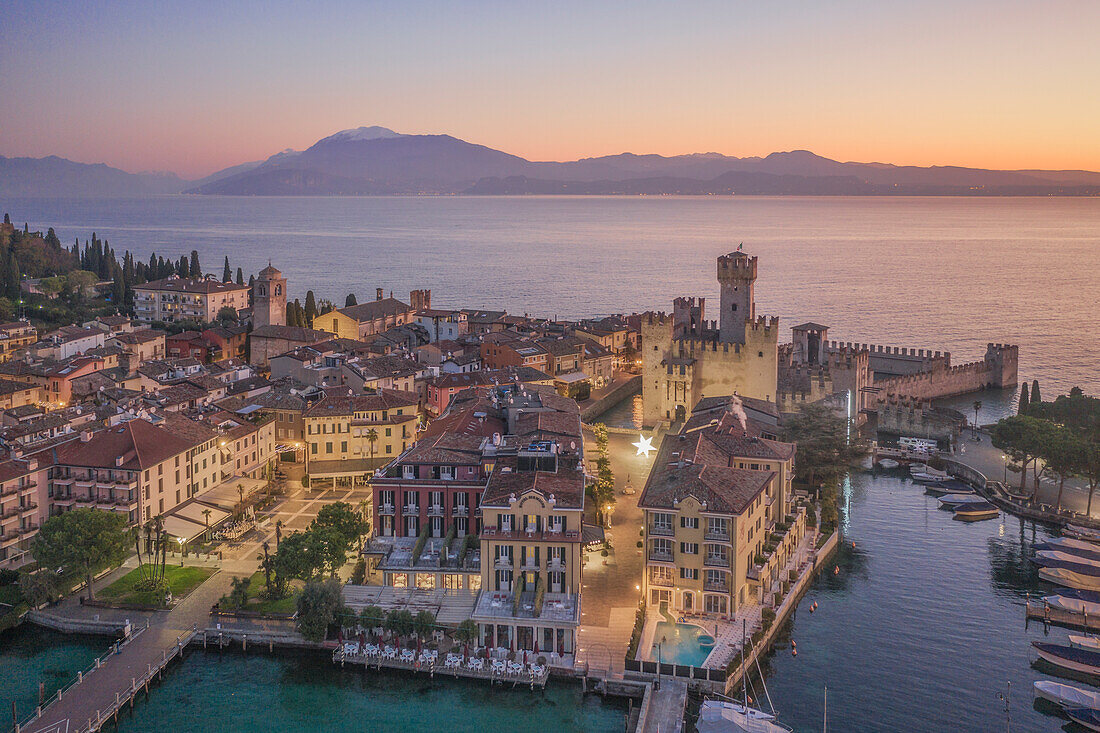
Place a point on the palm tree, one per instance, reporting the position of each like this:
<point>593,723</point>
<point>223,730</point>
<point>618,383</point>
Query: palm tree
<point>372,438</point>
<point>206,517</point>
<point>278,532</point>
<point>977,406</point>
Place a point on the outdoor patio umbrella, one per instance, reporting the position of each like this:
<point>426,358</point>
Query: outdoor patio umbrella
<point>536,647</point>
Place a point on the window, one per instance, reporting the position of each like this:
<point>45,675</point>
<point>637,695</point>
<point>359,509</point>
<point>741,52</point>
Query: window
<point>328,447</point>
<point>689,548</point>
<point>689,522</point>
<point>689,573</point>
<point>714,604</point>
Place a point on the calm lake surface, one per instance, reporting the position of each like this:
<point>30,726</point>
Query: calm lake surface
<point>942,273</point>
<point>238,693</point>
<point>30,655</point>
<point>922,627</point>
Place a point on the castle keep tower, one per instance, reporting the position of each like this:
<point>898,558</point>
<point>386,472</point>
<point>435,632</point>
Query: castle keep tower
<point>269,298</point>
<point>736,278</point>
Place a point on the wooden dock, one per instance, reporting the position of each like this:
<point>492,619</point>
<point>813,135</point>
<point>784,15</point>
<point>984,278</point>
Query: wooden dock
<point>1040,611</point>
<point>339,656</point>
<point>99,694</point>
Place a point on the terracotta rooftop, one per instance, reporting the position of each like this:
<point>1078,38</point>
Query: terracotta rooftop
<point>205,286</point>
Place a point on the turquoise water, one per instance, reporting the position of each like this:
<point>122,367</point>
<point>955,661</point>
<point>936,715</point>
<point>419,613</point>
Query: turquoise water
<point>29,655</point>
<point>233,692</point>
<point>680,644</point>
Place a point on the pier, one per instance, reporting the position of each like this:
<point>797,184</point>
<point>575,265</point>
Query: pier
<point>114,681</point>
<point>1040,611</point>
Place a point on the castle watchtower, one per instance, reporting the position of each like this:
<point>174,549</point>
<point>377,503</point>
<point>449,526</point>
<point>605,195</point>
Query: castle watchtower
<point>809,343</point>
<point>736,278</point>
<point>687,316</point>
<point>269,298</point>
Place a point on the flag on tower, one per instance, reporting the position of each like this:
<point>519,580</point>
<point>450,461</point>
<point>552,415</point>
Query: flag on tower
<point>741,247</point>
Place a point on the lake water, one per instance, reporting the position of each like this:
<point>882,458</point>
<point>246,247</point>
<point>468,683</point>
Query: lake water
<point>941,273</point>
<point>30,655</point>
<point>922,627</point>
<point>238,693</point>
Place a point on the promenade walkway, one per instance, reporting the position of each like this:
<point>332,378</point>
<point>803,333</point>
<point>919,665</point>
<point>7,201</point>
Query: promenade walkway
<point>97,690</point>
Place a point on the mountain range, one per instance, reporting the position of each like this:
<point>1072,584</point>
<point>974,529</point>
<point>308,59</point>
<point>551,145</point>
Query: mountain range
<point>378,161</point>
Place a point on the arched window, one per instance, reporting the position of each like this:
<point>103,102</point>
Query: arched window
<point>262,290</point>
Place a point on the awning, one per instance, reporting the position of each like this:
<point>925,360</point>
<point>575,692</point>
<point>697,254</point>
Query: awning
<point>181,528</point>
<point>193,511</point>
<point>226,496</point>
<point>348,467</point>
<point>592,534</point>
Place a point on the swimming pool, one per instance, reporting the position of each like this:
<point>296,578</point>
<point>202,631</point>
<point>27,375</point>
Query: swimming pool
<point>681,644</point>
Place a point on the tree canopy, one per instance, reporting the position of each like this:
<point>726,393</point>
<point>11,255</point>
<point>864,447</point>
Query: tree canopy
<point>83,541</point>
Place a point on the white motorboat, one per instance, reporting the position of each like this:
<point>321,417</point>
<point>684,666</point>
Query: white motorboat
<point>1084,642</point>
<point>1068,658</point>
<point>716,716</point>
<point>1074,605</point>
<point>888,463</point>
<point>951,501</point>
<point>1072,546</point>
<point>1066,696</point>
<point>975,512</point>
<point>1070,579</point>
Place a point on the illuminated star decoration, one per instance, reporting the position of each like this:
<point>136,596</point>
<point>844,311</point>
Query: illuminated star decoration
<point>644,445</point>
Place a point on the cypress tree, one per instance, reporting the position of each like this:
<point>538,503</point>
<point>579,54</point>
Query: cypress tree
<point>240,276</point>
<point>12,279</point>
<point>196,271</point>
<point>1024,401</point>
<point>184,267</point>
<point>350,300</point>
<point>227,274</point>
<point>311,309</point>
<point>1036,398</point>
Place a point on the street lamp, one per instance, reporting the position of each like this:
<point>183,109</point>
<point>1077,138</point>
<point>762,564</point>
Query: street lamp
<point>1004,460</point>
<point>180,540</point>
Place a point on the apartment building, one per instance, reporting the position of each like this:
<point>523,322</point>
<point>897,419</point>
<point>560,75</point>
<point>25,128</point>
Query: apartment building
<point>180,299</point>
<point>22,508</point>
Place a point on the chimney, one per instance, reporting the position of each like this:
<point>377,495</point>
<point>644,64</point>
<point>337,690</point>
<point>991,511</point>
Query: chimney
<point>85,436</point>
<point>378,294</point>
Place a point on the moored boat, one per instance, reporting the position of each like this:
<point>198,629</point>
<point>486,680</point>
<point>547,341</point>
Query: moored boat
<point>1073,547</point>
<point>1049,557</point>
<point>1086,717</point>
<point>1081,533</point>
<point>940,488</point>
<point>888,463</point>
<point>716,716</point>
<point>976,512</point>
<point>1080,595</point>
<point>1084,642</point>
<point>1070,578</point>
<point>1069,658</point>
<point>950,501</point>
<point>1066,696</point>
<point>1074,605</point>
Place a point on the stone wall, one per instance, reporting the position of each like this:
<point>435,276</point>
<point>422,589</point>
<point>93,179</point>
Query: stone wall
<point>997,370</point>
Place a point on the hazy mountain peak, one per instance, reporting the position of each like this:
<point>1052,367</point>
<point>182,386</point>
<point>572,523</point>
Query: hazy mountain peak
<point>357,134</point>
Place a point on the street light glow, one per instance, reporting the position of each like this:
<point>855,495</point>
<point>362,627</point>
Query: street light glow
<point>644,445</point>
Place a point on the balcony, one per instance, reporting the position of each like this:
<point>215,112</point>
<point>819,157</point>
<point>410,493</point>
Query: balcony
<point>661,530</point>
<point>664,581</point>
<point>530,564</point>
<point>410,509</point>
<point>714,536</point>
<point>461,511</point>
<point>436,511</point>
<point>386,510</point>
<point>660,555</point>
<point>28,486</point>
<point>10,491</point>
<point>28,509</point>
<point>716,561</point>
<point>496,533</point>
<point>718,586</point>
<point>555,565</point>
<point>503,563</point>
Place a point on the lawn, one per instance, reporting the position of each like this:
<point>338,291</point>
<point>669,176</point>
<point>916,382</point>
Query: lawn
<point>182,580</point>
<point>258,604</point>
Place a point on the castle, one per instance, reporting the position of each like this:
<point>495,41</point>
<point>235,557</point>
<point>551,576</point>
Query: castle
<point>685,358</point>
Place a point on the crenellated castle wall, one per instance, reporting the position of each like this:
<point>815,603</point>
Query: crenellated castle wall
<point>998,369</point>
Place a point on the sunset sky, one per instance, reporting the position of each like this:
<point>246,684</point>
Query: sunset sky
<point>193,87</point>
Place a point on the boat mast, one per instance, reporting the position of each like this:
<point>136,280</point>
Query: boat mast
<point>825,720</point>
<point>744,669</point>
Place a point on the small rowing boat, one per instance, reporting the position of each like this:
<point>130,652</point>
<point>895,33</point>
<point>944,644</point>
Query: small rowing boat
<point>948,487</point>
<point>976,512</point>
<point>888,463</point>
<point>1066,696</point>
<point>1090,596</point>
<point>1069,658</point>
